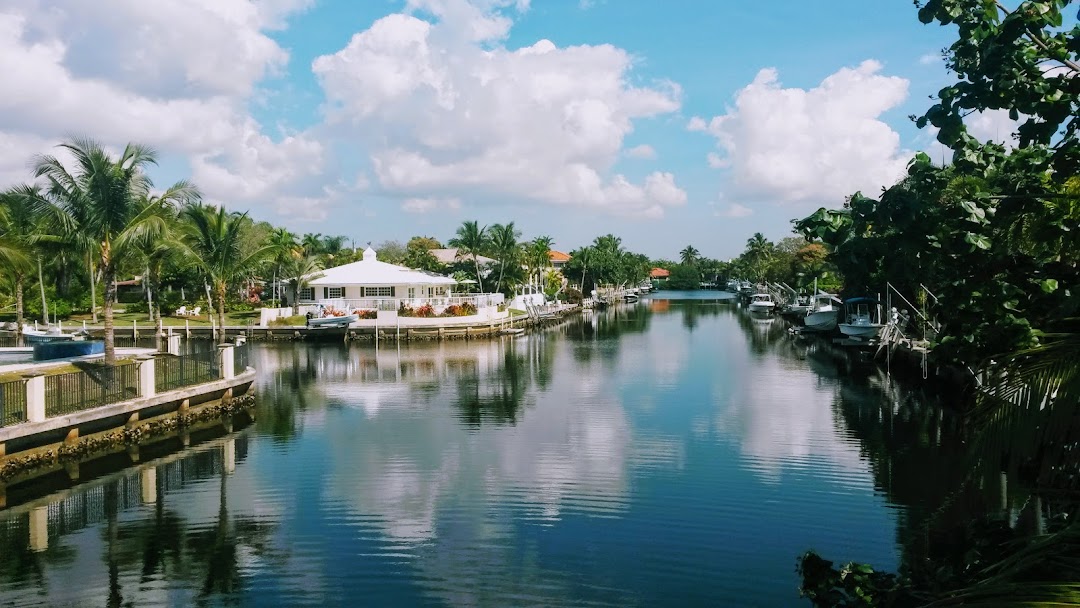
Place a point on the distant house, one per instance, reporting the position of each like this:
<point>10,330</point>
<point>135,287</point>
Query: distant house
<point>370,278</point>
<point>558,259</point>
<point>453,255</point>
<point>659,274</point>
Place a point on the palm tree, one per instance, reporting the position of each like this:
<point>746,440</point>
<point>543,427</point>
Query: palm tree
<point>472,240</point>
<point>21,211</point>
<point>538,256</point>
<point>283,247</point>
<point>689,255</point>
<point>216,239</point>
<point>312,243</point>
<point>299,271</point>
<point>584,256</point>
<point>101,200</point>
<point>504,245</point>
<point>759,252</point>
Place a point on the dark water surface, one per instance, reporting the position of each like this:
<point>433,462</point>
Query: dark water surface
<point>668,453</point>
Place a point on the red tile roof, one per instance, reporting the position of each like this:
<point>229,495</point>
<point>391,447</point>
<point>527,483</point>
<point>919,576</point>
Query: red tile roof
<point>558,256</point>
<point>659,273</point>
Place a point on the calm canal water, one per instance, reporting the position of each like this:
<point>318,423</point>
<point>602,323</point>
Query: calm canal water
<point>669,453</point>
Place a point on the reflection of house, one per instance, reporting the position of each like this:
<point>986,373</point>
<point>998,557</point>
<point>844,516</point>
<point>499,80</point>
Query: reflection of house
<point>454,255</point>
<point>558,259</point>
<point>370,278</point>
<point>659,274</point>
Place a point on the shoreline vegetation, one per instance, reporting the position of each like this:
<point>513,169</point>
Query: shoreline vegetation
<point>990,246</point>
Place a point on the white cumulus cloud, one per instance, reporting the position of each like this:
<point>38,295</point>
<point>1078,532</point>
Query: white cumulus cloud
<point>643,152</point>
<point>735,210</point>
<point>818,145</point>
<point>447,111</point>
<point>155,73</point>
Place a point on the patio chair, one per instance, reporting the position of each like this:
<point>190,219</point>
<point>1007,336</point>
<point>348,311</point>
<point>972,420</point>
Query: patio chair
<point>181,312</point>
<point>196,311</point>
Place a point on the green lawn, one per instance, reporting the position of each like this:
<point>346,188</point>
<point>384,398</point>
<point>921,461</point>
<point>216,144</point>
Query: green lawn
<point>125,318</point>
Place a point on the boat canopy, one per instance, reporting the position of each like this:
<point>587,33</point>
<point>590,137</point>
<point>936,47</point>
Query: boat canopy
<point>862,300</point>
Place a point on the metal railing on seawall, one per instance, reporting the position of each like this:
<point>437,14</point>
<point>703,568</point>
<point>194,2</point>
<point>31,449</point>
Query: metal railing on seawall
<point>172,372</point>
<point>85,389</point>
<point>479,300</point>
<point>12,402</point>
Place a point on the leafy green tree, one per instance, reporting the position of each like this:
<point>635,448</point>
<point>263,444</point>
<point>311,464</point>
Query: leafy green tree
<point>684,277</point>
<point>101,198</point>
<point>472,239</point>
<point>424,242</point>
<point>216,239</point>
<point>421,258</point>
<point>391,252</point>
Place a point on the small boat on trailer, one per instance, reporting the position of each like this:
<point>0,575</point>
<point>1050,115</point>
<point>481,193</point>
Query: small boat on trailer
<point>862,319</point>
<point>55,333</point>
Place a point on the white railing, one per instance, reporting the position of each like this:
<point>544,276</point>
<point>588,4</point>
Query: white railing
<point>484,300</point>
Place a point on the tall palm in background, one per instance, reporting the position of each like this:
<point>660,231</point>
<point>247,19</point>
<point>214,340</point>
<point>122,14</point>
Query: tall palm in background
<point>312,242</point>
<point>504,246</point>
<point>100,198</point>
<point>689,255</point>
<point>216,238</point>
<point>472,239</point>
<point>760,251</point>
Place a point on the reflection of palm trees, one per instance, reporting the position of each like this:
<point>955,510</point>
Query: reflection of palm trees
<point>496,398</point>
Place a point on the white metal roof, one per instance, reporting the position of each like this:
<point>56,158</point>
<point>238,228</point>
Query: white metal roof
<point>370,271</point>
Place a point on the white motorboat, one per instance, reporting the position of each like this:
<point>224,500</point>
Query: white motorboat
<point>824,313</point>
<point>323,322</point>
<point>862,319</point>
<point>761,302</point>
<point>33,335</point>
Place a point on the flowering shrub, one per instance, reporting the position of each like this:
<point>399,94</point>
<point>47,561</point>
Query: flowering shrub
<point>424,311</point>
<point>404,310</point>
<point>366,314</point>
<point>459,310</point>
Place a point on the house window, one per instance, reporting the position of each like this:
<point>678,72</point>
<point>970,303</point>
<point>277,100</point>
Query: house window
<point>412,293</point>
<point>335,292</point>
<point>378,292</point>
<point>307,294</point>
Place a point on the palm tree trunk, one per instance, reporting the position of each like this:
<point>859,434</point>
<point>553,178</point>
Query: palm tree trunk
<point>149,297</point>
<point>41,283</point>
<point>479,280</point>
<point>221,288</point>
<point>93,288</point>
<point>19,309</point>
<point>108,274</point>
<point>582,290</point>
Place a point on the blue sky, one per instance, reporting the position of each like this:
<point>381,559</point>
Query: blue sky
<point>385,119</point>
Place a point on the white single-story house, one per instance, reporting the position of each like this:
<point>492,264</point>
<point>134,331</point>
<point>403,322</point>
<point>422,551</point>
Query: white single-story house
<point>371,279</point>
<point>371,285</point>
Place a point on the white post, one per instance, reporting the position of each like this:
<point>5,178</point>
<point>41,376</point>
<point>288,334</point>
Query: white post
<point>39,529</point>
<point>173,345</point>
<point>35,397</point>
<point>147,386</point>
<point>148,483</point>
<point>227,370</point>
<point>187,328</point>
<point>134,331</point>
<point>229,452</point>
